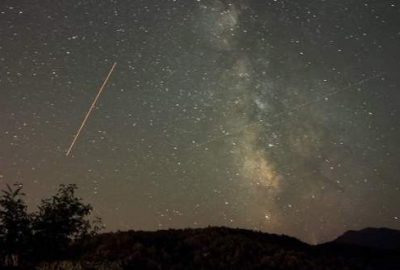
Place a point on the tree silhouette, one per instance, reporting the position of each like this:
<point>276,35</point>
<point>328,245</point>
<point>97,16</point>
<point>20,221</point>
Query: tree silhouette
<point>15,224</point>
<point>60,221</point>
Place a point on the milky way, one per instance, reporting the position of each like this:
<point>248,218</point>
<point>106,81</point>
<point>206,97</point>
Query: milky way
<point>280,116</point>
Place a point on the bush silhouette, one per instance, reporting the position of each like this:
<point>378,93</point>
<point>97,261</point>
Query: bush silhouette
<point>15,225</point>
<point>46,234</point>
<point>60,221</point>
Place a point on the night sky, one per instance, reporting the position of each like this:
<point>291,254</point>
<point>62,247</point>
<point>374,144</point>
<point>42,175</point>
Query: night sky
<point>275,115</point>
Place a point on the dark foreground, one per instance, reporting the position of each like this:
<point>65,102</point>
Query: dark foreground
<point>224,248</point>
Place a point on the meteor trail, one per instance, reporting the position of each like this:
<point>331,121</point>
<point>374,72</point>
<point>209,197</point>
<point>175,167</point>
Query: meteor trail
<point>90,109</point>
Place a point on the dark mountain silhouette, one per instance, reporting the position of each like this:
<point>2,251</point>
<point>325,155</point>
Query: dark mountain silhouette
<point>219,248</point>
<point>61,236</point>
<point>380,238</point>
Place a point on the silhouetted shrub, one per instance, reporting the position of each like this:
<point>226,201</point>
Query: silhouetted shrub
<point>15,225</point>
<point>60,221</point>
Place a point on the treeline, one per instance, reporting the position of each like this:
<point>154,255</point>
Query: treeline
<point>60,235</point>
<point>46,234</point>
<point>216,248</point>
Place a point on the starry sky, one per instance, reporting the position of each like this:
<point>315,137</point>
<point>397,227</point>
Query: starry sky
<point>275,115</point>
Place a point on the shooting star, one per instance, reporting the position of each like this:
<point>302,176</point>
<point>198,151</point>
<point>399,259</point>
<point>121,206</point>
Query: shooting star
<point>90,110</point>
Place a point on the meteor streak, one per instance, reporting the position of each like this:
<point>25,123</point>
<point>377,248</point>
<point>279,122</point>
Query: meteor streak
<point>90,110</point>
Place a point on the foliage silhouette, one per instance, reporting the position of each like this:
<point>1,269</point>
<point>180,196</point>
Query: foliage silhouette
<point>15,224</point>
<point>61,220</point>
<point>46,234</point>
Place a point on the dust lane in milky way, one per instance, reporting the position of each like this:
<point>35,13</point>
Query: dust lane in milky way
<point>281,116</point>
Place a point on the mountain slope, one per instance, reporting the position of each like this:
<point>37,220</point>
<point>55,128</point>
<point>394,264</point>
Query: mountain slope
<point>221,248</point>
<point>380,238</point>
